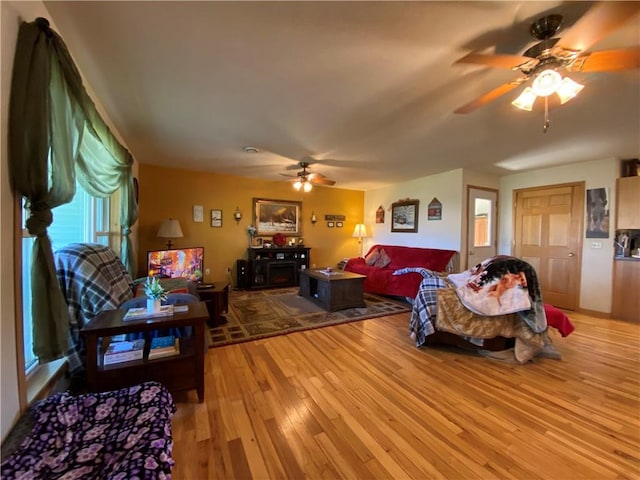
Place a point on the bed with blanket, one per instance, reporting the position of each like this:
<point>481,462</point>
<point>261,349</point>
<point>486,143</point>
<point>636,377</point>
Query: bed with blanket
<point>495,305</point>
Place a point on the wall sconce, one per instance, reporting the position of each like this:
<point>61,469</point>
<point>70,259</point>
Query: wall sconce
<point>313,219</point>
<point>170,229</point>
<point>237,215</point>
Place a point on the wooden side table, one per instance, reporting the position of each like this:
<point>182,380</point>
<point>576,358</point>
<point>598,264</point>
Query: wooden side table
<point>180,372</point>
<point>217,299</point>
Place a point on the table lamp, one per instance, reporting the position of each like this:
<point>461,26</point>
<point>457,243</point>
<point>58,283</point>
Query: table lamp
<point>170,229</point>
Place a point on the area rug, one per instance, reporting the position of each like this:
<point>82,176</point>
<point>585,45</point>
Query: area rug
<point>266,313</point>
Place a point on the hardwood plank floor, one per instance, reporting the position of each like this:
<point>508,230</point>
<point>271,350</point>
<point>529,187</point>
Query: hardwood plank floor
<point>359,400</point>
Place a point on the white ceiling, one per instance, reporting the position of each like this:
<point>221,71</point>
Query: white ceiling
<point>366,88</point>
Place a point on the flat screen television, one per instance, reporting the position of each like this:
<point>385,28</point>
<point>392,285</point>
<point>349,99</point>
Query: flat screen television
<point>177,262</point>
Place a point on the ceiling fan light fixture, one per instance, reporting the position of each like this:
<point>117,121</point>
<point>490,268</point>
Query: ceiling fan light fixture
<point>525,100</point>
<point>568,89</point>
<point>306,187</point>
<point>547,82</point>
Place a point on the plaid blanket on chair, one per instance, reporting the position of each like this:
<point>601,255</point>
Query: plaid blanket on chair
<point>92,279</point>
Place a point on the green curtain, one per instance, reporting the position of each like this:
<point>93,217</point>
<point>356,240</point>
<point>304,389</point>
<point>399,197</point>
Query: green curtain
<point>56,134</point>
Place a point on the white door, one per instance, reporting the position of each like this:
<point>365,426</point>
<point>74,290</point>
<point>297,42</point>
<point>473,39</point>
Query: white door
<point>483,225</point>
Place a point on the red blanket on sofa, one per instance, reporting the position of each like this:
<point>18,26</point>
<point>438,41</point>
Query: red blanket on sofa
<point>381,280</point>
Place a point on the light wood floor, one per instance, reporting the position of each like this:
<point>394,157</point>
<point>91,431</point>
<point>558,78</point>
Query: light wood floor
<point>359,401</point>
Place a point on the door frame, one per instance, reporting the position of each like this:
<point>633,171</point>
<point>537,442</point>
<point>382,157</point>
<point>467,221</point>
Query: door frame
<point>465,264</point>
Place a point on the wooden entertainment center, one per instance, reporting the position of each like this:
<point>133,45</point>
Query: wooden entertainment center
<point>272,267</point>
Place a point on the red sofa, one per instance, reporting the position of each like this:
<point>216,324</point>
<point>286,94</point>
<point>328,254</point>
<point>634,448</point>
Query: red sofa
<point>381,279</point>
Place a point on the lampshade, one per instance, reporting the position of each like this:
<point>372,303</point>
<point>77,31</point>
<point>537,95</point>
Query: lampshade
<point>170,228</point>
<point>546,83</point>
<point>360,231</point>
<point>302,184</point>
<point>568,89</point>
<point>525,100</point>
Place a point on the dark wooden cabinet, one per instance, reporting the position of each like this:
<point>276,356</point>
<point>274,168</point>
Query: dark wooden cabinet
<point>274,267</point>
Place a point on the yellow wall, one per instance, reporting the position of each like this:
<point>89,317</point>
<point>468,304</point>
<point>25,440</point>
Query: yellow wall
<point>172,193</point>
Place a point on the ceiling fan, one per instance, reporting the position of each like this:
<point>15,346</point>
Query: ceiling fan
<point>543,61</point>
<point>305,180</point>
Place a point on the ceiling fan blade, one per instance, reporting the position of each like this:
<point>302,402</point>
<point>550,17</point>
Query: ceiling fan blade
<point>607,60</point>
<point>320,179</point>
<point>601,20</point>
<point>491,96</point>
<point>508,62</point>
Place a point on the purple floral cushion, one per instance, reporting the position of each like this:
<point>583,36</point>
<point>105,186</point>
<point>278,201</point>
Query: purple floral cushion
<point>116,435</point>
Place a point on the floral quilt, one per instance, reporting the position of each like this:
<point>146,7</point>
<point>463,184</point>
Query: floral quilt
<point>119,435</point>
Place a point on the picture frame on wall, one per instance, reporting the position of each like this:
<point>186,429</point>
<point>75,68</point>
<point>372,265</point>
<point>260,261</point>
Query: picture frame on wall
<point>216,218</point>
<point>277,216</point>
<point>404,216</point>
<point>597,213</point>
<point>339,224</point>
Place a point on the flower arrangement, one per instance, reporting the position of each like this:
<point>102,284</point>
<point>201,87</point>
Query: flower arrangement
<point>154,290</point>
<point>251,230</point>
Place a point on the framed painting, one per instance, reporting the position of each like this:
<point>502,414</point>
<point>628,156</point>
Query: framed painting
<point>404,216</point>
<point>216,217</point>
<point>277,216</point>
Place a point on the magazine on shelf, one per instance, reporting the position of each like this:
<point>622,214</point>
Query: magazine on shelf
<point>164,347</point>
<point>124,351</point>
<point>141,313</point>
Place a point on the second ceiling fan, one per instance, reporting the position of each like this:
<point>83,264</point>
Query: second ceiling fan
<point>544,60</point>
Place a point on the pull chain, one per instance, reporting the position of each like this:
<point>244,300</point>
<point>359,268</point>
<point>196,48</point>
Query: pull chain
<point>545,127</point>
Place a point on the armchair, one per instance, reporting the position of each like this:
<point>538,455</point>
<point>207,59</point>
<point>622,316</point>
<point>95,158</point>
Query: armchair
<point>93,279</point>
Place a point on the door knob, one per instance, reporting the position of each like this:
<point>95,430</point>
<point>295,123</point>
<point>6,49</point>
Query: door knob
<point>571,254</point>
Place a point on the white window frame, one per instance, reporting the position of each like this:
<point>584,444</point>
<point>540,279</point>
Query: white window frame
<point>95,229</point>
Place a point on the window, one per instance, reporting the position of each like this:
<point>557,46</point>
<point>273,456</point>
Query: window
<point>84,219</point>
<point>483,223</point>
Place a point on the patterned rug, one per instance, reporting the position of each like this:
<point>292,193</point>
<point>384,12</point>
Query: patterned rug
<point>266,313</point>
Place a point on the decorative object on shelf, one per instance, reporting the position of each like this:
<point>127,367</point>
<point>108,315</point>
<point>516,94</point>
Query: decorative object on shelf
<point>279,240</point>
<point>251,230</point>
<point>314,219</point>
<point>216,217</point>
<point>237,215</point>
<point>277,216</point>
<point>198,213</point>
<point>170,229</point>
<point>360,232</point>
<point>380,214</point>
<point>434,210</point>
<point>155,294</point>
<point>404,216</point>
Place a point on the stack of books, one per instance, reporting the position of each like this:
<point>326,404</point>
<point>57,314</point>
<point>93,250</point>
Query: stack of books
<point>126,351</point>
<point>140,313</point>
<point>164,347</point>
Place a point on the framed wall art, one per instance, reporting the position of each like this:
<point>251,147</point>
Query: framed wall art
<point>216,217</point>
<point>277,216</point>
<point>404,216</point>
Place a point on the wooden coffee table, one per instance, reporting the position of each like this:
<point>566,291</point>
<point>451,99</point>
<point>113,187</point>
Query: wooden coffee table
<point>336,291</point>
